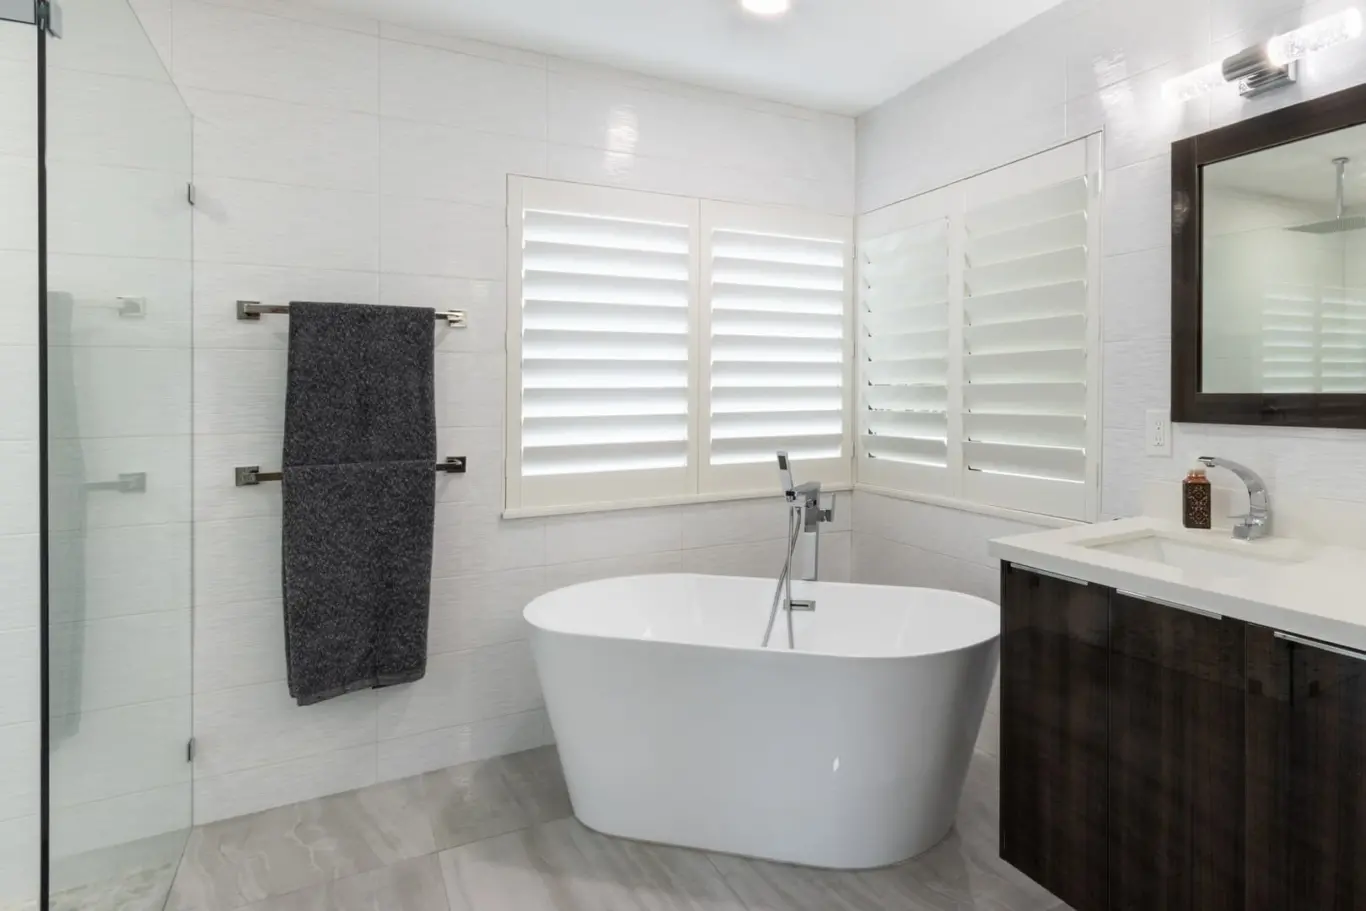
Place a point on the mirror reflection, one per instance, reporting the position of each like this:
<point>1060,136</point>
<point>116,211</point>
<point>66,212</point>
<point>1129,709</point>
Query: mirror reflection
<point>1284,269</point>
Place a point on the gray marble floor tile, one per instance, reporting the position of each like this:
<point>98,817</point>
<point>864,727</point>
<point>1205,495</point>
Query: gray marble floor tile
<point>659,878</point>
<point>765,886</point>
<point>408,885</point>
<point>232,863</point>
<point>561,866</point>
<point>494,875</point>
<point>537,781</point>
<point>482,800</point>
<point>144,890</point>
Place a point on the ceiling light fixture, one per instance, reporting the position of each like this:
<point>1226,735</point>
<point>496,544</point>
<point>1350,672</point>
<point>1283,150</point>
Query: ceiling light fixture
<point>1267,66</point>
<point>769,9</point>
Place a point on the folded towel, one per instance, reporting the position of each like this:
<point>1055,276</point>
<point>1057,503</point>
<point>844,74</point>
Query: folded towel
<point>360,386</point>
<point>359,497</point>
<point>357,575</point>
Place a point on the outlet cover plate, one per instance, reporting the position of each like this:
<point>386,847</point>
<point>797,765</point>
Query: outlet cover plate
<point>1157,433</point>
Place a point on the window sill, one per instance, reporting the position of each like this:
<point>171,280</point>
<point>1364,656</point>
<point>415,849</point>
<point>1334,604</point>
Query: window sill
<point>981,509</point>
<point>691,500</point>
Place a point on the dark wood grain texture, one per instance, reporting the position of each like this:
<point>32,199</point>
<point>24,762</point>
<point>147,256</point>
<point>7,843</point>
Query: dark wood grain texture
<point>1327,781</point>
<point>1053,734</point>
<point>1176,759</point>
<point>1266,712</point>
<point>1189,405</point>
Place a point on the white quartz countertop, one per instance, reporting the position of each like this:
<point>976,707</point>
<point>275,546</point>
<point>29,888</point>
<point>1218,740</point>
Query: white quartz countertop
<point>1317,591</point>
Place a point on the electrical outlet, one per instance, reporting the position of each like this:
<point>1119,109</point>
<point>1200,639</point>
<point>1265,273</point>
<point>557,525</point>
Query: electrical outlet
<point>1157,430</point>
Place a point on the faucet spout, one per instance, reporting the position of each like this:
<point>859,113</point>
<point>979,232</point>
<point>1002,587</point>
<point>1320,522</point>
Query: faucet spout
<point>1257,523</point>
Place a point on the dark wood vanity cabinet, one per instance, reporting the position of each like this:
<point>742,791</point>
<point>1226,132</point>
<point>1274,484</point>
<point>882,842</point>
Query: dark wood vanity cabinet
<point>1176,733</point>
<point>1325,777</point>
<point>1054,643</point>
<point>1161,759</point>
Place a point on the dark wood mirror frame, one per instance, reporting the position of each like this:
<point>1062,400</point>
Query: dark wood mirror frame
<point>1189,405</point>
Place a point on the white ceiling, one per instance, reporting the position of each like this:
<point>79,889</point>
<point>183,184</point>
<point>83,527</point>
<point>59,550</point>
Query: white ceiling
<point>844,56</point>
<point>1301,171</point>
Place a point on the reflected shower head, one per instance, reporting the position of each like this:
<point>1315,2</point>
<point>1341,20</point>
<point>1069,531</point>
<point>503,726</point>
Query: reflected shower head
<point>1333,225</point>
<point>1343,222</point>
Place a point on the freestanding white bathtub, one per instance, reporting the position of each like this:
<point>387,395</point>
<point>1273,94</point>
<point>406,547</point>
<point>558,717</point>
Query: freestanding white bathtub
<point>675,727</point>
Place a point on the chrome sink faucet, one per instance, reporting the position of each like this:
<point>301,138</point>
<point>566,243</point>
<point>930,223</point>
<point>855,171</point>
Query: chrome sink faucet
<point>1257,523</point>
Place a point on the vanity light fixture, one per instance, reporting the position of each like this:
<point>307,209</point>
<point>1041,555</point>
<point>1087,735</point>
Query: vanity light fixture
<point>1270,65</point>
<point>769,9</point>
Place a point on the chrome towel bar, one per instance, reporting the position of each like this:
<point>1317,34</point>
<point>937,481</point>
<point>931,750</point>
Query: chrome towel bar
<point>251,311</point>
<point>252,475</point>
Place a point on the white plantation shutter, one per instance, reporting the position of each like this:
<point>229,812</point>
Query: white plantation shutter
<point>1290,340</point>
<point>1313,340</point>
<point>652,362</point>
<point>1342,341</point>
<point>1026,300</point>
<point>600,346</point>
<point>990,392</point>
<point>776,346</point>
<point>905,311</point>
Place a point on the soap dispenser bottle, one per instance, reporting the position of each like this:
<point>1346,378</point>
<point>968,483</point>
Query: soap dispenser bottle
<point>1197,500</point>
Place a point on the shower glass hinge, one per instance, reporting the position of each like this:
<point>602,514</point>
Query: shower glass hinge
<point>189,750</point>
<point>189,193</point>
<point>50,17</point>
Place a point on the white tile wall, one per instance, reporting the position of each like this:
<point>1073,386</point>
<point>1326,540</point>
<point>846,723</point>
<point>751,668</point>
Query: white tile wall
<point>234,50</point>
<point>1105,61</point>
<point>341,159</point>
<point>19,750</point>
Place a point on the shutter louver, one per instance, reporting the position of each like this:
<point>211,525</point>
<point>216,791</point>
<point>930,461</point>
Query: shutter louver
<point>1313,342</point>
<point>777,315</point>
<point>1025,335</point>
<point>904,305</point>
<point>1342,341</point>
<point>605,344</point>
<point>1290,340</point>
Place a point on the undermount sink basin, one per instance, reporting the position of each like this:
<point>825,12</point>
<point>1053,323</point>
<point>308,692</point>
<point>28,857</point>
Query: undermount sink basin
<point>1190,556</point>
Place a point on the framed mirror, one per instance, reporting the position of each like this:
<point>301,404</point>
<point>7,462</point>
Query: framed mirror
<point>1269,268</point>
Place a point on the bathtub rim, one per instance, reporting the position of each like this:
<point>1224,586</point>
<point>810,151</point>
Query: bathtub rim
<point>757,649</point>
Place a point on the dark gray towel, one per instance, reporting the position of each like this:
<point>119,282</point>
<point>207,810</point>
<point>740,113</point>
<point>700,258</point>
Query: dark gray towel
<point>360,385</point>
<point>358,565</point>
<point>359,497</point>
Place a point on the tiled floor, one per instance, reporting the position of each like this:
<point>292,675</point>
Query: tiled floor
<point>498,836</point>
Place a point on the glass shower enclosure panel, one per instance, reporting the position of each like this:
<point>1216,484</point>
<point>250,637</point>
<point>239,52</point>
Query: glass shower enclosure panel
<point>118,355</point>
<point>20,519</point>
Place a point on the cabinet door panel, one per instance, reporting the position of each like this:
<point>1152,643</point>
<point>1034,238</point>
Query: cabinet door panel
<point>1266,712</point>
<point>1053,734</point>
<point>1327,781</point>
<point>1176,760</point>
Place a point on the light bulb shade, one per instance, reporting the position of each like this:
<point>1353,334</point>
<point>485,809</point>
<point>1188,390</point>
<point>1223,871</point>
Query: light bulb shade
<point>768,8</point>
<point>1315,36</point>
<point>1195,83</point>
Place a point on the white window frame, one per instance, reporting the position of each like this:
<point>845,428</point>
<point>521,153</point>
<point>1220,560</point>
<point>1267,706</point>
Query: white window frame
<point>698,482</point>
<point>957,486</point>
